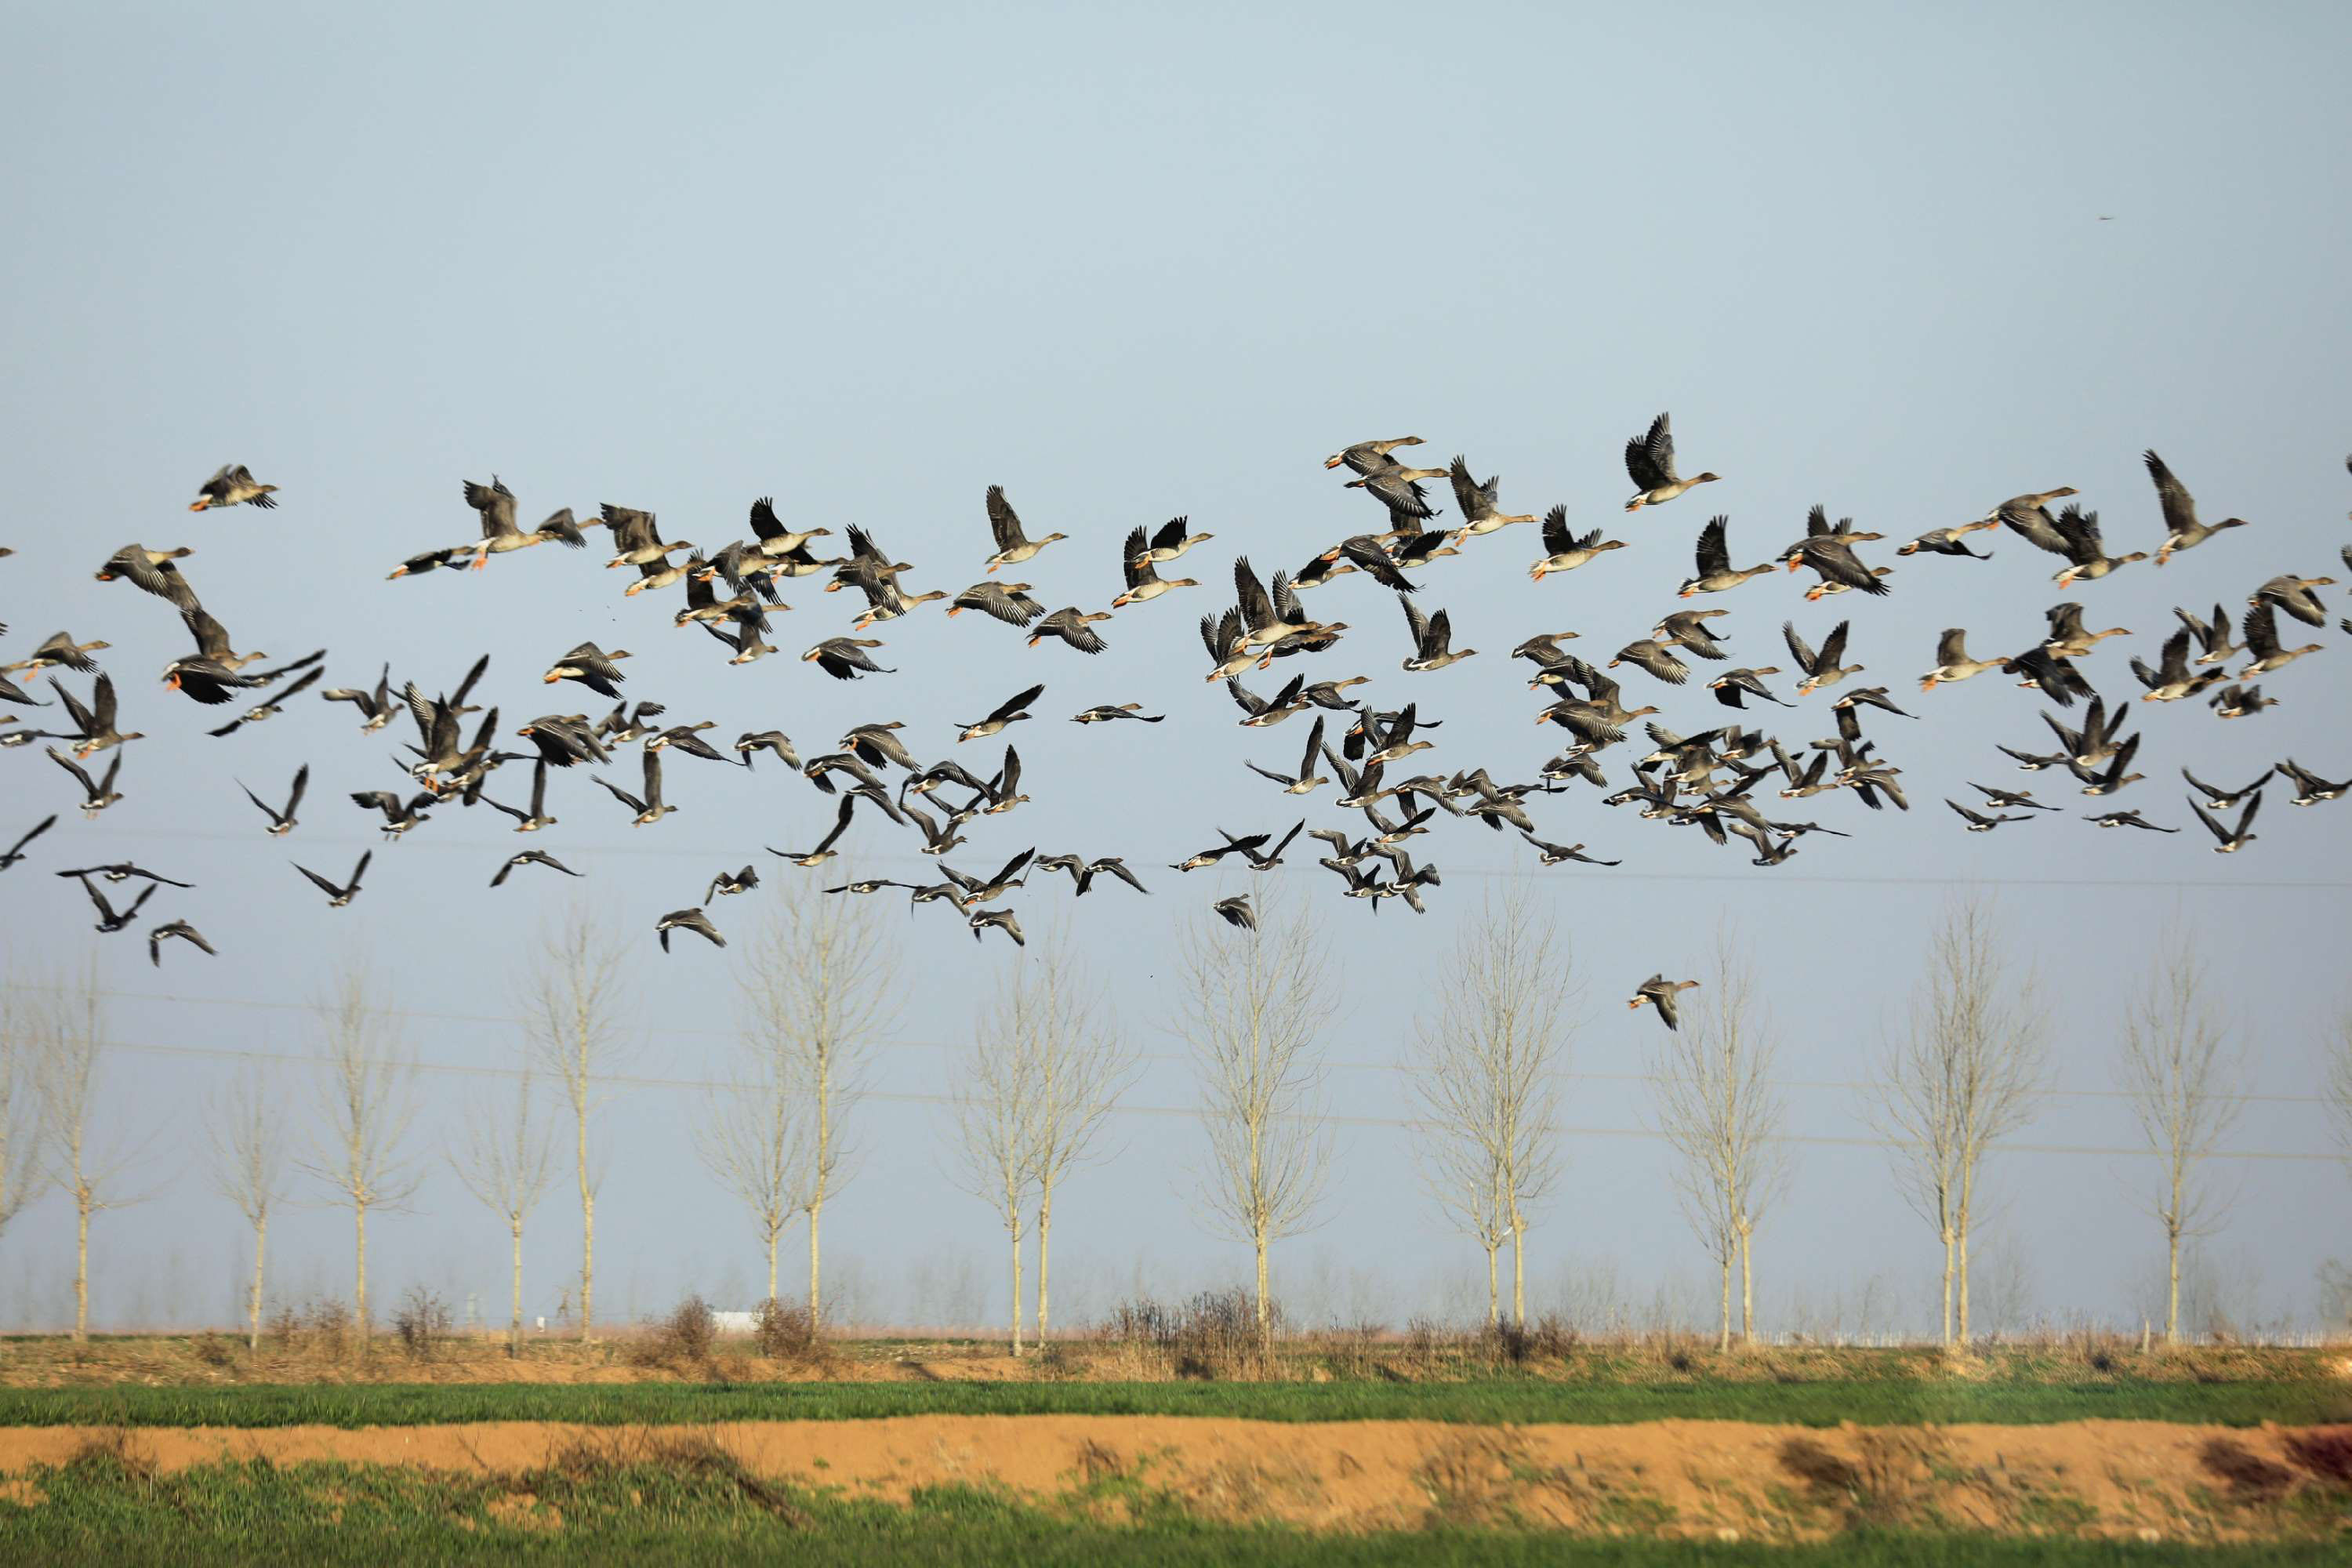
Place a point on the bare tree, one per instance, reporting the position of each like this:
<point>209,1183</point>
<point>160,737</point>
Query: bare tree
<point>994,1105</point>
<point>1081,1064</point>
<point>1961,1076</point>
<point>20,1133</point>
<point>576,1012</point>
<point>366,1091</point>
<point>1711,1083</point>
<point>69,1041</point>
<point>753,1137</point>
<point>1485,1069</point>
<point>823,987</point>
<point>505,1162</point>
<point>247,1129</point>
<point>1253,1014</point>
<point>2183,1084</point>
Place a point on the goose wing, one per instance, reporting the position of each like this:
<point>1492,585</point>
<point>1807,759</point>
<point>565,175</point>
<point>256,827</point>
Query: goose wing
<point>2179,508</point>
<point>1650,458</point>
<point>496,505</point>
<point>1556,538</point>
<point>1714,552</point>
<point>1003,522</point>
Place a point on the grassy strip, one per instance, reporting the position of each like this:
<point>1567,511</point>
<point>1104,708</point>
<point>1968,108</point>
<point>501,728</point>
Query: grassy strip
<point>1486,1402</point>
<point>102,1509</point>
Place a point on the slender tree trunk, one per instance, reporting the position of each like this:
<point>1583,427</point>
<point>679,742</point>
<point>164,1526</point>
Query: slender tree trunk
<point>514,1319</point>
<point>358,1286</point>
<point>1723,1320</point>
<point>2172,1286</point>
<point>1494,1281</point>
<point>1961,1324</point>
<point>774,1235</point>
<point>81,1269</point>
<point>1746,1282</point>
<point>1946,1326</point>
<point>1045,1236</point>
<point>587,1228</point>
<point>253,1300</point>
<point>1519,1268</point>
<point>1015,1230</point>
<point>1264,1323</point>
<point>816,1211</point>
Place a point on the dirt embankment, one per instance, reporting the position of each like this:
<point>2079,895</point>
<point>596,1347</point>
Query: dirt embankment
<point>1704,1479</point>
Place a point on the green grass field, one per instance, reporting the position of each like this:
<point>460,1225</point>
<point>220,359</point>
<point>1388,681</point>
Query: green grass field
<point>99,1510</point>
<point>1484,1400</point>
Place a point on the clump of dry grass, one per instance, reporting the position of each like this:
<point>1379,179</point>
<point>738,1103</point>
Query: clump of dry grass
<point>684,1339</point>
<point>787,1330</point>
<point>1213,1336</point>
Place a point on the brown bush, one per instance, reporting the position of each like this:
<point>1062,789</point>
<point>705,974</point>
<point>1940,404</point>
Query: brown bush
<point>684,1338</point>
<point>422,1321</point>
<point>1214,1335</point>
<point>213,1350</point>
<point>787,1330</point>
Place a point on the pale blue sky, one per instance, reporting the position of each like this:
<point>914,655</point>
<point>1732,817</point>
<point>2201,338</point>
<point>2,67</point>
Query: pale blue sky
<point>1131,268</point>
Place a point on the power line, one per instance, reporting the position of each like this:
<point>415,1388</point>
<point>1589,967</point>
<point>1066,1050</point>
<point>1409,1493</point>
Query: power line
<point>1170,1057</point>
<point>635,1081</point>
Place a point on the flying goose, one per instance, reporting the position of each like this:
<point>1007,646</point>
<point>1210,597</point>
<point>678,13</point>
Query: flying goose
<point>1482,511</point>
<point>1004,525</point>
<point>824,849</point>
<point>2004,798</point>
<point>1236,911</point>
<point>376,706</point>
<point>844,658</point>
<point>636,540</point>
<point>727,884</point>
<point>1008,602</point>
<point>1008,877</point>
<point>1070,625</point>
<point>1565,550</point>
<point>1432,639</point>
<point>233,485</point>
<point>534,819</point>
<point>1556,853</point>
<point>2127,819</point>
<point>269,707</point>
<point>1304,781</point>
<point>694,921</point>
<point>2028,517</point>
<point>338,897</point>
<point>281,822</point>
<point>2213,635</point>
<point>495,503</point>
<point>1012,711</point>
<point>159,935</point>
<point>1398,488</point>
<point>2069,639</point>
<point>1650,460</point>
<point>2310,789</point>
<point>1716,574</point>
<point>2240,702</point>
<point>2085,554</point>
<point>1831,555</point>
<point>2181,528</point>
<point>1002,919</point>
<point>530,858</point>
<point>1365,457</point>
<point>1979,823</point>
<point>2222,799</point>
<point>59,651</point>
<point>2056,678</point>
<point>751,743</point>
<point>592,667</point>
<point>153,571</point>
<point>2260,629</point>
<point>2229,841</point>
<point>1143,580</point>
<point>650,809</point>
<point>1823,669</point>
<point>15,852</point>
<point>399,815</point>
<point>1728,687</point>
<point>108,918</point>
<point>96,795</point>
<point>1652,656</point>
<point>2171,681</point>
<point>1104,712</point>
<point>2289,593</point>
<point>1952,660</point>
<point>1950,540</point>
<point>1659,992</point>
<point>1170,541</point>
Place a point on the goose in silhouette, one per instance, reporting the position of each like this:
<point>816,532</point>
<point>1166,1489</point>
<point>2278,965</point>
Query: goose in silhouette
<point>537,818</point>
<point>694,921</point>
<point>2213,635</point>
<point>1012,547</point>
<point>728,884</point>
<point>2069,639</point>
<point>1660,992</point>
<point>269,707</point>
<point>1734,685</point>
<point>98,795</point>
<point>2229,841</point>
<point>495,503</point>
<point>1398,488</point>
<point>59,651</point>
<point>95,721</point>
<point>2240,702</point>
<point>2222,799</point>
<point>2127,819</point>
<point>1002,919</point>
<point>1949,540</point>
<point>1170,541</point>
<point>637,541</point>
<point>2085,554</point>
<point>338,897</point>
<point>592,667</point>
<point>1482,512</point>
<point>1306,780</point>
<point>377,706</point>
<point>650,809</point>
<point>1365,457</point>
<point>1821,668</point>
<point>233,485</point>
<point>1565,550</point>
<point>2005,798</point>
<point>282,823</point>
<point>2028,517</point>
<point>1557,854</point>
<point>152,570</point>
<point>1716,574</point>
<point>399,815</point>
<point>159,935</point>
<point>1236,911</point>
<point>2291,594</point>
<point>1106,713</point>
<point>1008,602</point>
<point>15,852</point>
<point>844,658</point>
<point>1070,625</point>
<point>109,919</point>
<point>1650,460</point>
<point>1652,657</point>
<point>1979,823</point>
<point>2310,789</point>
<point>530,858</point>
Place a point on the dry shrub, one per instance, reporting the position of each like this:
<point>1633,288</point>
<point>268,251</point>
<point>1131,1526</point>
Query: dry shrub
<point>1884,1485</point>
<point>2251,1478</point>
<point>115,1449</point>
<point>422,1321</point>
<point>1214,1335</point>
<point>684,1338</point>
<point>1350,1351</point>
<point>213,1350</point>
<point>2325,1452</point>
<point>1553,1338</point>
<point>787,1330</point>
<point>592,1458</point>
<point>1058,1360</point>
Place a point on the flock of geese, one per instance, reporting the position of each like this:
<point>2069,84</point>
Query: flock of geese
<point>1716,780</point>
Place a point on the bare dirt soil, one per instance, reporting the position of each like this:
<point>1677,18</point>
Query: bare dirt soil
<point>2132,1479</point>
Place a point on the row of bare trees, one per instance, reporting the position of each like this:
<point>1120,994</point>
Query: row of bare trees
<point>1959,1077</point>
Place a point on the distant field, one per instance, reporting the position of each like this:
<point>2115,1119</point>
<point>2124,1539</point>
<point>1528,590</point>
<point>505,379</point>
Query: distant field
<point>1490,1400</point>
